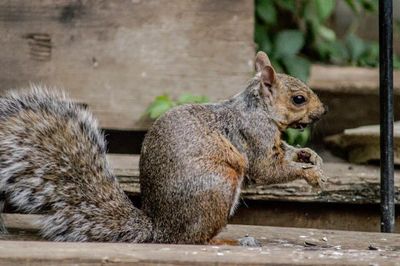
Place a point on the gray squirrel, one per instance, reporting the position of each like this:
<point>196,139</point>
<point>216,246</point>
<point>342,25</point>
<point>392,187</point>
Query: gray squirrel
<point>193,163</point>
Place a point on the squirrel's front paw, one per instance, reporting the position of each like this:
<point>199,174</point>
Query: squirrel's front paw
<point>308,156</point>
<point>311,167</point>
<point>314,176</point>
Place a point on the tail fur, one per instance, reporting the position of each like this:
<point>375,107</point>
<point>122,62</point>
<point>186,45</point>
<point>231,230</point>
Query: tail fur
<point>53,158</point>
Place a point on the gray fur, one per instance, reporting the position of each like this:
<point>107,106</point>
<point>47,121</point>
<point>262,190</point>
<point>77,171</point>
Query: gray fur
<point>53,158</point>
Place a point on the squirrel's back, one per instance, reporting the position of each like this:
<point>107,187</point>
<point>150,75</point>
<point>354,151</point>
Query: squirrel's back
<point>53,159</point>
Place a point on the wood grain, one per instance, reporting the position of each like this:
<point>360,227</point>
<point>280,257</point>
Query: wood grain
<point>289,246</point>
<point>348,183</point>
<point>116,56</point>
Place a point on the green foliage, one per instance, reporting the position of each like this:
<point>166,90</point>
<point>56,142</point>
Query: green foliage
<point>297,66</point>
<point>298,137</point>
<point>359,5</point>
<point>292,32</point>
<point>163,103</point>
<point>288,43</point>
<point>190,98</point>
<point>267,12</point>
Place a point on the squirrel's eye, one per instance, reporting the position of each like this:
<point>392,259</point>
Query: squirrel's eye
<point>298,99</point>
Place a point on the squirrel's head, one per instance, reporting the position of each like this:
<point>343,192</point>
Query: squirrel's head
<point>290,102</point>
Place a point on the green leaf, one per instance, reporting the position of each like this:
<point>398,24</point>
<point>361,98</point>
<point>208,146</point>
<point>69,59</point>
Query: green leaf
<point>354,6</point>
<point>356,47</point>
<point>290,136</point>
<point>396,62</point>
<point>326,33</point>
<point>296,137</point>
<point>324,8</point>
<point>287,5</point>
<point>334,52</point>
<point>159,106</point>
<point>370,5</point>
<point>262,39</point>
<point>370,57</point>
<point>397,24</point>
<point>288,43</point>
<point>266,11</point>
<point>310,13</point>
<point>260,34</point>
<point>266,46</point>
<point>297,66</point>
<point>277,66</point>
<point>190,98</point>
<point>303,137</point>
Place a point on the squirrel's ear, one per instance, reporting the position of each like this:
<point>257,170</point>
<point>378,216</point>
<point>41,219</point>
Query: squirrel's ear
<point>268,76</point>
<point>261,61</point>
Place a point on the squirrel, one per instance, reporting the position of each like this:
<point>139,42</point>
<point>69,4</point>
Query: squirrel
<point>193,162</point>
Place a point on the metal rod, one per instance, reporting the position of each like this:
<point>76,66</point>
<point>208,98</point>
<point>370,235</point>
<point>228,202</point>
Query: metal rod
<point>386,114</point>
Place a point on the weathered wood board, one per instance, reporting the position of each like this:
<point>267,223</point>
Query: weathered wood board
<point>350,200</point>
<point>318,215</point>
<point>349,80</point>
<point>289,246</point>
<point>116,56</point>
<point>352,96</point>
<point>362,144</point>
<point>347,183</point>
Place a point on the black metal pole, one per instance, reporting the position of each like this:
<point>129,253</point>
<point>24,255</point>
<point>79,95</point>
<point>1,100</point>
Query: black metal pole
<point>386,114</point>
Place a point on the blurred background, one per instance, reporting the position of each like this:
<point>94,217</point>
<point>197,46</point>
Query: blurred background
<point>130,61</point>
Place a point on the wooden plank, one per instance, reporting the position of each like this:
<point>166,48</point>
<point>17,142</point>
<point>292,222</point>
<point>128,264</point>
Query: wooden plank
<point>21,222</point>
<point>348,80</point>
<point>332,216</point>
<point>362,144</point>
<point>348,110</point>
<point>117,56</point>
<point>351,217</point>
<point>373,131</point>
<point>281,245</point>
<point>348,183</point>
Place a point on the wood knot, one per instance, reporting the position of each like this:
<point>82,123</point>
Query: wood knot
<point>39,46</point>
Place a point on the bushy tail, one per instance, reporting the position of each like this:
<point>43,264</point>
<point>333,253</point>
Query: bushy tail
<point>53,158</point>
<point>3,229</point>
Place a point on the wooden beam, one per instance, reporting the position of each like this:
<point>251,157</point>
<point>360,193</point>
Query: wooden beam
<point>362,144</point>
<point>347,79</point>
<point>348,183</point>
<point>281,245</point>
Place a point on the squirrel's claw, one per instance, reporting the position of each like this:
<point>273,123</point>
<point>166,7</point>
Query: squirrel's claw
<point>315,177</point>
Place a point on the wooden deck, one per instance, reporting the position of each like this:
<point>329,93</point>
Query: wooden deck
<point>288,246</point>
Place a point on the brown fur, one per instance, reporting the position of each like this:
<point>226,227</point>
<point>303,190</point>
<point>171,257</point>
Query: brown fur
<point>194,159</point>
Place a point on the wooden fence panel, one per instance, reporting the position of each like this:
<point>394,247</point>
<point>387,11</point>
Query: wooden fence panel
<point>117,56</point>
